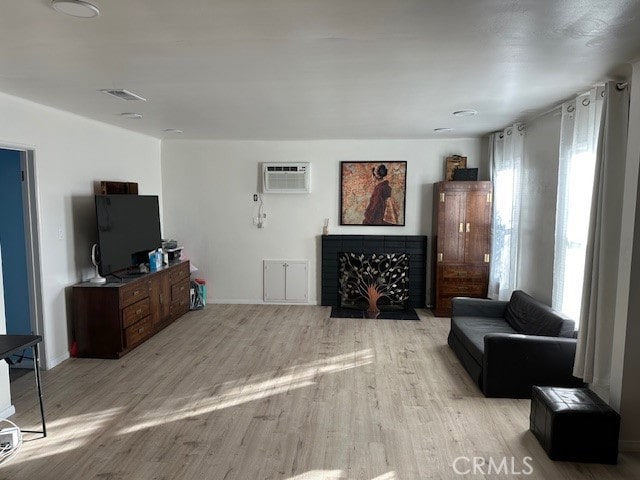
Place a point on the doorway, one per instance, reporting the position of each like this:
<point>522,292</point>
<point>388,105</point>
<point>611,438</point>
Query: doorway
<point>19,243</point>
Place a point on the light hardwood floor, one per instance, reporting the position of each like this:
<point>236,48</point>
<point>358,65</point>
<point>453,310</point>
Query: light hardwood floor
<point>281,392</point>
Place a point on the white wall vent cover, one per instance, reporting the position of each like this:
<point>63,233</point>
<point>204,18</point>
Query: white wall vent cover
<point>286,177</point>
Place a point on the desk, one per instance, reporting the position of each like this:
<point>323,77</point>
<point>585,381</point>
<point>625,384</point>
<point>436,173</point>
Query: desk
<point>12,344</point>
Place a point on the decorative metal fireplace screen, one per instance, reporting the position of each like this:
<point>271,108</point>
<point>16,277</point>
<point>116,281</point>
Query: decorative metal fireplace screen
<point>388,272</point>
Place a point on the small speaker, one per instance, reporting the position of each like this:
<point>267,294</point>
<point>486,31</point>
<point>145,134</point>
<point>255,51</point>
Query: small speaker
<point>465,174</point>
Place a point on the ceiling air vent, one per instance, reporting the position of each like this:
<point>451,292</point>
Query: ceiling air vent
<point>123,94</point>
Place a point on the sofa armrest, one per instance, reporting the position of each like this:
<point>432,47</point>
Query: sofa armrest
<point>513,363</point>
<point>477,307</point>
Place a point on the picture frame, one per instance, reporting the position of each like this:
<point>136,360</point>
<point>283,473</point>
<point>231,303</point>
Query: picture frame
<point>373,193</point>
<point>453,163</point>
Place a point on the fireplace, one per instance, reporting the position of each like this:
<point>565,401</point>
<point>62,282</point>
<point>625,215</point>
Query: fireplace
<point>414,246</point>
<point>386,273</point>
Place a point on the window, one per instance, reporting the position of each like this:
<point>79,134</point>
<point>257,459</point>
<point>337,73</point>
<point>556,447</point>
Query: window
<point>507,153</point>
<point>578,143</point>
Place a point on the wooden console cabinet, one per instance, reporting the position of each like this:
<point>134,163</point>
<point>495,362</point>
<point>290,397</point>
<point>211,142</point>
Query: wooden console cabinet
<point>462,242</point>
<point>113,318</point>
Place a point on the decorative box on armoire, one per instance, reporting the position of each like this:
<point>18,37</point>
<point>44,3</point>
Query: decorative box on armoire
<point>461,242</point>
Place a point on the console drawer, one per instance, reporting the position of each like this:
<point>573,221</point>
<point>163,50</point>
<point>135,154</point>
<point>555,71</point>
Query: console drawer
<point>463,290</point>
<point>180,291</point>
<point>133,293</point>
<point>179,307</point>
<point>466,272</point>
<point>179,272</point>
<point>135,312</point>
<point>137,332</point>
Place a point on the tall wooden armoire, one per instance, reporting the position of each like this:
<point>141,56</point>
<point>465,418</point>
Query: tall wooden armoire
<point>461,242</point>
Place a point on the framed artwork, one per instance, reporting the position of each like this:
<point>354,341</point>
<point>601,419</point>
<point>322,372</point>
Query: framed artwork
<point>373,193</point>
<point>453,163</point>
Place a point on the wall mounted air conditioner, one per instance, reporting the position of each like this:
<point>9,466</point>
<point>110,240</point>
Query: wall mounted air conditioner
<point>286,177</point>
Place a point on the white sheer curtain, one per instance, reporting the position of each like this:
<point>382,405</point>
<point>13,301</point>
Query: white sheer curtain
<point>506,152</point>
<point>578,140</point>
<point>595,337</point>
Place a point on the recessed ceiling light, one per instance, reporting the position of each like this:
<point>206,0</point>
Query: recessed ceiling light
<point>123,94</point>
<point>75,8</point>
<point>443,130</point>
<point>131,115</point>
<point>465,113</point>
<point>172,130</point>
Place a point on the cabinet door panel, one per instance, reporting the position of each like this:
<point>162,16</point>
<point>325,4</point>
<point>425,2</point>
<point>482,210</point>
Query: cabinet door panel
<point>274,281</point>
<point>477,227</point>
<point>450,234</point>
<point>296,281</point>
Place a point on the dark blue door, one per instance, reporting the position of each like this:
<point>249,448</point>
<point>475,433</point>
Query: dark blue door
<point>12,242</point>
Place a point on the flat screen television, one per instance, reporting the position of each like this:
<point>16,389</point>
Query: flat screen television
<point>128,228</point>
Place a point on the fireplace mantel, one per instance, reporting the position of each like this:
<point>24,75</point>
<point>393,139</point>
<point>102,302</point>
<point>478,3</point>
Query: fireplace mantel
<point>414,245</point>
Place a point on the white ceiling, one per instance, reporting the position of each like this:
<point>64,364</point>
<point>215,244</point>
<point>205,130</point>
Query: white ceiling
<point>315,69</point>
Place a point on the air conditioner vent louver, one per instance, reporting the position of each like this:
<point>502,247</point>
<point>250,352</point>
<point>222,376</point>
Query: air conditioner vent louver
<point>286,178</point>
<point>124,95</point>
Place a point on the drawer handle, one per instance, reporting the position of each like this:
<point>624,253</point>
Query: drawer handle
<point>136,292</point>
<point>141,329</point>
<point>138,311</point>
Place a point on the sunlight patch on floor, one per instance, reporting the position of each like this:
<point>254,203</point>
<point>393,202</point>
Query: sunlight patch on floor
<point>249,389</point>
<point>65,434</point>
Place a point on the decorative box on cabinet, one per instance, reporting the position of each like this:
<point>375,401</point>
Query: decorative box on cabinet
<point>111,319</point>
<point>462,242</point>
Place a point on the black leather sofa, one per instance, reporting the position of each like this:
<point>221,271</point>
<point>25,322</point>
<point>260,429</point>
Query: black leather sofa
<point>507,347</point>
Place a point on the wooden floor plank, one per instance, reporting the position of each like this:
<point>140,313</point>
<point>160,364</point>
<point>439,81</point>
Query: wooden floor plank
<point>279,392</point>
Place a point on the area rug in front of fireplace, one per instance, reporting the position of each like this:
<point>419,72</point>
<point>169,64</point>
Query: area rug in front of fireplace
<point>408,314</point>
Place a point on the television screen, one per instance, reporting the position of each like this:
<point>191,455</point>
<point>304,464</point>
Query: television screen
<point>128,228</point>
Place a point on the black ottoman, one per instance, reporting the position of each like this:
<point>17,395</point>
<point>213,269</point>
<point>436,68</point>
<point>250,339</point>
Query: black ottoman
<point>574,424</point>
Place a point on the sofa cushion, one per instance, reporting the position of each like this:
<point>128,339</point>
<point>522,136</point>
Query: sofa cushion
<point>531,317</point>
<point>470,331</point>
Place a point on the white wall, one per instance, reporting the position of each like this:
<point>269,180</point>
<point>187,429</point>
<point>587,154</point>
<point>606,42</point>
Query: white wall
<point>538,207</point>
<point>72,152</point>
<point>625,365</point>
<point>208,205</point>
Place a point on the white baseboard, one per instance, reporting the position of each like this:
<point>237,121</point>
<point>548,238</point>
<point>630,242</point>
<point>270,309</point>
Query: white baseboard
<point>258,301</point>
<point>55,361</point>
<point>629,446</point>
<point>7,412</point>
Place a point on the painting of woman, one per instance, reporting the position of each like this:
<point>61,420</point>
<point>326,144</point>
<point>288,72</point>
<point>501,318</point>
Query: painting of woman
<point>373,193</point>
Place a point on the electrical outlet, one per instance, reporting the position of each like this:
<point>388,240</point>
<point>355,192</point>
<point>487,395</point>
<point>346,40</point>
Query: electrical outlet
<point>8,438</point>
<point>255,197</point>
